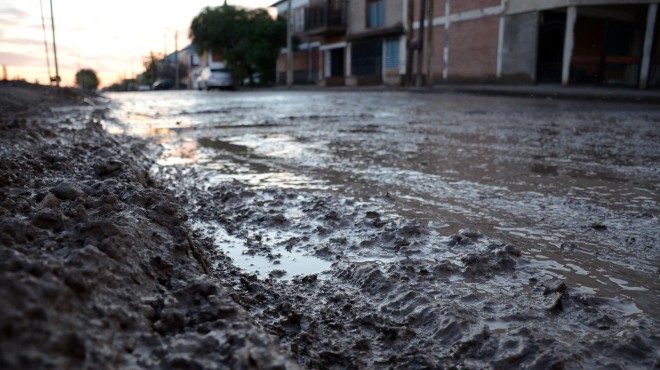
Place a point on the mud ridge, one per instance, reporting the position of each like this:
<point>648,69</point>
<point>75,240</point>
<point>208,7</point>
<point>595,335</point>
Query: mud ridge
<point>97,266</point>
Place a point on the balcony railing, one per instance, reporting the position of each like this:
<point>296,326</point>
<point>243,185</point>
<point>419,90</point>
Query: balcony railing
<point>326,17</point>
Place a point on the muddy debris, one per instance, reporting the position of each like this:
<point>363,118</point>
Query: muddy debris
<point>461,301</point>
<point>97,268</point>
<point>133,265</point>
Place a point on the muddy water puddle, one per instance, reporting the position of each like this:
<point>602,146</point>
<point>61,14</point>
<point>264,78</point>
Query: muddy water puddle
<point>573,185</point>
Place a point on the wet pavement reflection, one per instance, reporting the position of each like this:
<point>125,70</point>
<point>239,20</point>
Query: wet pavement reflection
<point>574,185</point>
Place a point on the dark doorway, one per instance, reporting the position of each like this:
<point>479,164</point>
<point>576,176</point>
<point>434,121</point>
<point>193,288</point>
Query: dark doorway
<point>608,45</point>
<point>551,46</point>
<point>654,73</point>
<point>337,62</point>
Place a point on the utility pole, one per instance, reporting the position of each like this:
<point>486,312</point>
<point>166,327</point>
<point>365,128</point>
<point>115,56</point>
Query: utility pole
<point>429,46</point>
<point>176,59</point>
<point>445,49</point>
<point>43,27</point>
<point>289,46</point>
<point>420,43</point>
<point>52,23</point>
<point>409,43</point>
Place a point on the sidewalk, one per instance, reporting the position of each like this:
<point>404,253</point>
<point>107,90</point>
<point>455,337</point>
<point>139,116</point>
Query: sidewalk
<point>651,96</point>
<point>602,94</point>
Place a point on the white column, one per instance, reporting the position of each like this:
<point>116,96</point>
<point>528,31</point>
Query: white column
<point>347,60</point>
<point>648,46</point>
<point>402,55</point>
<point>569,39</point>
<point>326,62</point>
<point>383,58</point>
<point>500,40</point>
<point>445,49</point>
<point>500,47</point>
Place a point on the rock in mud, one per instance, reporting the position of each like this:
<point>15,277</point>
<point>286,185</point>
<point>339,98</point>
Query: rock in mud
<point>67,191</point>
<point>48,219</point>
<point>554,286</point>
<point>554,294</point>
<point>49,201</point>
<point>105,168</point>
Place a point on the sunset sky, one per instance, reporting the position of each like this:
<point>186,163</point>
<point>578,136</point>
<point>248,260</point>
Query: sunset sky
<point>111,37</point>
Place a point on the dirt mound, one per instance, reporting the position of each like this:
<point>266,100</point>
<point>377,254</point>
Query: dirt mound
<point>20,97</point>
<point>97,267</point>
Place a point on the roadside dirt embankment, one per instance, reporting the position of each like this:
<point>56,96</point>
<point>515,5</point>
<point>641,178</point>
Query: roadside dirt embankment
<point>97,268</point>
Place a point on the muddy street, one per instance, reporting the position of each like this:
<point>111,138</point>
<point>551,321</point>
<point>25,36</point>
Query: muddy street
<point>413,229</point>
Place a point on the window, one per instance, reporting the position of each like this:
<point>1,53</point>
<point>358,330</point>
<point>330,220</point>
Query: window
<point>299,19</point>
<point>366,57</point>
<point>376,14</point>
<point>194,60</point>
<point>392,53</point>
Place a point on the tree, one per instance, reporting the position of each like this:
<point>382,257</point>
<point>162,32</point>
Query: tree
<point>87,80</point>
<point>129,84</point>
<point>249,40</point>
<point>150,74</point>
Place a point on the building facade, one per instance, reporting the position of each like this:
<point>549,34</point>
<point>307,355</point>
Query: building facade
<point>306,56</point>
<point>572,42</point>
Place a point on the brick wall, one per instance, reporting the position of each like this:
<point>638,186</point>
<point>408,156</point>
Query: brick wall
<point>438,8</point>
<point>438,52</point>
<point>473,48</point>
<point>300,60</point>
<point>458,6</point>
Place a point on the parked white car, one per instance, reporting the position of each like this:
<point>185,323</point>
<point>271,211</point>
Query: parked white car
<point>215,78</point>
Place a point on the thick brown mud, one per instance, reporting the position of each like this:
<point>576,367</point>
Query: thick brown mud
<point>397,230</point>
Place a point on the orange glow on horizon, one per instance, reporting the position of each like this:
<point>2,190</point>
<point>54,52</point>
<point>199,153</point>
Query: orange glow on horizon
<point>111,38</point>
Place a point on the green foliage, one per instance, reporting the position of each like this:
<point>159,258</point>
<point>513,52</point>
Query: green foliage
<point>87,80</point>
<point>249,40</point>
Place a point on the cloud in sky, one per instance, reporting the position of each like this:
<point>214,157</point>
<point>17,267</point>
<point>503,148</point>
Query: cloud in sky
<point>111,37</point>
<point>9,14</point>
<point>24,42</point>
<point>10,58</point>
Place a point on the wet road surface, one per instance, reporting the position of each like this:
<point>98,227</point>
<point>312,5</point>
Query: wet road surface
<point>574,185</point>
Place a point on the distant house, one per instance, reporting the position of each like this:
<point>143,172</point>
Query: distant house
<point>346,42</point>
<point>573,42</point>
<point>188,62</point>
<point>190,65</point>
<point>306,55</point>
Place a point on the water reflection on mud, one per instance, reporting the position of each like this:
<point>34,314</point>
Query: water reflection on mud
<point>574,185</point>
